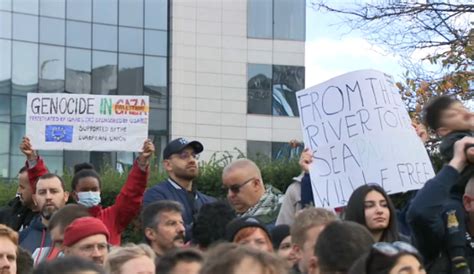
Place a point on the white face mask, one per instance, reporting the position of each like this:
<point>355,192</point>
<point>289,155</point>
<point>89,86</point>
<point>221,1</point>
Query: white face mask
<point>88,198</point>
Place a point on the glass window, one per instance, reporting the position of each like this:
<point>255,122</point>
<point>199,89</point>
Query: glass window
<point>259,89</point>
<point>17,132</point>
<point>54,160</point>
<point>25,67</point>
<point>155,80</point>
<point>78,71</point>
<point>5,24</point>
<point>131,40</point>
<point>52,31</point>
<point>6,5</point>
<point>104,72</point>
<point>131,13</point>
<point>289,19</point>
<point>105,37</point>
<point>286,150</point>
<point>130,74</point>
<point>156,42</point>
<point>79,10</point>
<point>158,119</point>
<point>51,69</point>
<point>105,11</point>
<point>287,80</point>
<point>4,108</point>
<point>25,27</point>
<point>4,148</point>
<point>259,18</point>
<point>78,34</point>
<point>19,109</point>
<point>259,149</point>
<point>5,61</point>
<point>26,6</point>
<point>156,14</point>
<point>53,8</point>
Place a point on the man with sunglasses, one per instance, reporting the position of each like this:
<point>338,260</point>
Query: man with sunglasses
<point>180,160</point>
<point>247,193</point>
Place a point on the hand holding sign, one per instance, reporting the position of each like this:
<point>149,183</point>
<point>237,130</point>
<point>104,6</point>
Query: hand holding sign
<point>147,152</point>
<point>306,159</point>
<point>27,149</point>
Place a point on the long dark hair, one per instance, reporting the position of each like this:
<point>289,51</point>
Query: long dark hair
<point>355,211</point>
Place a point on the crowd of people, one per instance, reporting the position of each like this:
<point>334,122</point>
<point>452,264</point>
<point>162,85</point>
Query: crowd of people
<point>256,230</point>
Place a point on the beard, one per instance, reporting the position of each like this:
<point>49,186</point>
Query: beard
<point>48,211</point>
<point>186,174</point>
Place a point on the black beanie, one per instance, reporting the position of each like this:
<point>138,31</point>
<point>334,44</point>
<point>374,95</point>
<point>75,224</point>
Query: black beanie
<point>240,223</point>
<point>279,233</point>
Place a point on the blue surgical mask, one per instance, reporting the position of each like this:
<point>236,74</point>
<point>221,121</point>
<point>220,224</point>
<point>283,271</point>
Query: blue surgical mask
<point>88,198</point>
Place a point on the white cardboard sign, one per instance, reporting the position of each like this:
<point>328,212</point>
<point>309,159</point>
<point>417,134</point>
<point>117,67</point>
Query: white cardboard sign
<point>360,133</point>
<point>56,121</point>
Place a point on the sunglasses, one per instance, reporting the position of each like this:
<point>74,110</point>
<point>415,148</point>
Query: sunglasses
<point>235,188</point>
<point>184,155</point>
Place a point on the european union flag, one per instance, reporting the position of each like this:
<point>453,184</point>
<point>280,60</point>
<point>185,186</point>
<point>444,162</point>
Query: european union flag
<point>59,133</point>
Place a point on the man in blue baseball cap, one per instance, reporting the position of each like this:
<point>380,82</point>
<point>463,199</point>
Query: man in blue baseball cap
<point>180,162</point>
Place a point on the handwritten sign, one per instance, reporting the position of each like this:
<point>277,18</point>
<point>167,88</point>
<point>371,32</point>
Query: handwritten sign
<point>57,121</point>
<point>360,133</point>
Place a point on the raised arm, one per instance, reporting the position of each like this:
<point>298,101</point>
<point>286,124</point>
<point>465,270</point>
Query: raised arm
<point>34,163</point>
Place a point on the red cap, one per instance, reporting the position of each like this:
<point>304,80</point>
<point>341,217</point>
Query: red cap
<point>82,228</point>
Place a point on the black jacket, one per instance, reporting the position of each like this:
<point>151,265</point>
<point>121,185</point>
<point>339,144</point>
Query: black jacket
<point>16,215</point>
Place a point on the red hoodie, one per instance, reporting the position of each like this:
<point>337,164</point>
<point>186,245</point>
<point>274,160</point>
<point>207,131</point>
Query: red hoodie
<point>127,204</point>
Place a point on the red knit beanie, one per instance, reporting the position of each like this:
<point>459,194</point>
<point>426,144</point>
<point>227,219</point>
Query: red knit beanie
<point>82,228</point>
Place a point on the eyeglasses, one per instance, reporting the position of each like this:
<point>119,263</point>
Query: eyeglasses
<point>392,249</point>
<point>184,155</point>
<point>235,188</point>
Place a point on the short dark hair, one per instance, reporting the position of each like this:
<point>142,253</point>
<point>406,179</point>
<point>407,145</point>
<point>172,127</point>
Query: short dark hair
<point>169,261</point>
<point>207,229</point>
<point>434,109</point>
<point>51,176</point>
<point>83,174</point>
<point>83,166</point>
<point>355,210</point>
<point>24,261</point>
<point>67,265</point>
<point>22,169</point>
<point>150,213</point>
<point>66,215</point>
<point>340,244</point>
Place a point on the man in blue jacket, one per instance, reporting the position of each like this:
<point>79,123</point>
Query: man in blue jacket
<point>180,162</point>
<point>431,223</point>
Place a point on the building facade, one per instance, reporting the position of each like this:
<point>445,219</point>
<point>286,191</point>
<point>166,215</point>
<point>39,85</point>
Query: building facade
<point>220,71</point>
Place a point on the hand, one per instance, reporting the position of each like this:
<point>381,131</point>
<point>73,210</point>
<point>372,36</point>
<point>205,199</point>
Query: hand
<point>147,151</point>
<point>27,149</point>
<point>470,154</point>
<point>460,160</point>
<point>306,159</point>
<point>421,131</point>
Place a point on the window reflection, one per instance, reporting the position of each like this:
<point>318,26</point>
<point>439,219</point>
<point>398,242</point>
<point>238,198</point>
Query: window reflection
<point>6,5</point>
<point>5,62</point>
<point>130,40</point>
<point>130,74</point>
<point>4,149</point>
<point>105,11</point>
<point>26,6</point>
<point>79,34</point>
<point>25,27</point>
<point>105,37</point>
<point>131,13</point>
<point>158,118</point>
<point>287,80</point>
<point>25,67</point>
<point>156,14</point>
<point>155,42</point>
<point>104,73</point>
<point>53,8</point>
<point>16,134</point>
<point>260,19</point>
<point>289,19</point>
<point>4,108</point>
<point>155,81</point>
<point>51,69</point>
<point>79,10</point>
<point>78,71</point>
<point>52,31</point>
<point>5,24</point>
<point>259,89</point>
<point>259,149</point>
<point>18,109</point>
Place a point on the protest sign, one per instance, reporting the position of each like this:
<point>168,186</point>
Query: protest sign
<point>360,133</point>
<point>56,121</point>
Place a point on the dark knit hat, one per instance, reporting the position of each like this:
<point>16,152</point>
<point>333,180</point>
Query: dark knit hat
<point>82,228</point>
<point>279,233</point>
<point>240,223</point>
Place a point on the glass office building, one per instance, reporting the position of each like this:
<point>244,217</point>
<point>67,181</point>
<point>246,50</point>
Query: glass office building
<point>80,46</point>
